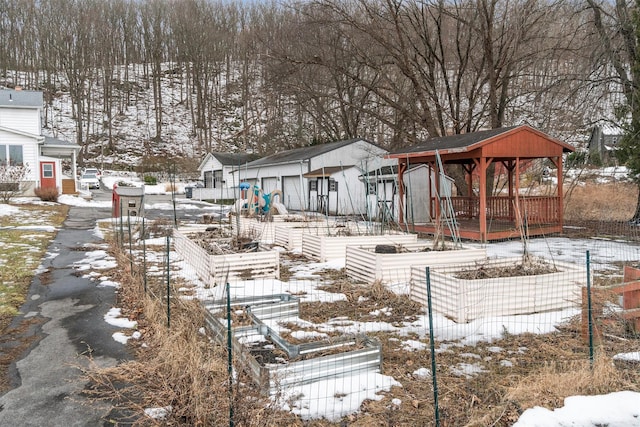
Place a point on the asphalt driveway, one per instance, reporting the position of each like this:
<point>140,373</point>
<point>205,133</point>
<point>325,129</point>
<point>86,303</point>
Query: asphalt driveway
<point>47,381</point>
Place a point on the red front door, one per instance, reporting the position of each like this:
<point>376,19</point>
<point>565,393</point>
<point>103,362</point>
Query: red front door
<point>48,174</point>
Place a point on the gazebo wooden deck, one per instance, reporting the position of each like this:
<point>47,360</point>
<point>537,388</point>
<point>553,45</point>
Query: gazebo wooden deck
<point>481,216</point>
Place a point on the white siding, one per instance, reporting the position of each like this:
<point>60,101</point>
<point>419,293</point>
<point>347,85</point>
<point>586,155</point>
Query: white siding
<point>269,184</point>
<point>360,153</point>
<point>212,164</point>
<point>417,182</point>
<point>294,192</point>
<point>22,119</point>
<point>228,178</point>
<point>350,196</point>
<point>279,170</point>
<point>29,151</point>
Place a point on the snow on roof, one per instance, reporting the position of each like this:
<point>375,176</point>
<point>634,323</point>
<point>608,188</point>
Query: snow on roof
<point>611,129</point>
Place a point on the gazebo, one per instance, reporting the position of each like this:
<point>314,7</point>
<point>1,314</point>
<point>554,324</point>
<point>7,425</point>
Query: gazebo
<point>478,215</point>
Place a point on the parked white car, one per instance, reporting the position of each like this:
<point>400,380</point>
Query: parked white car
<point>93,171</point>
<point>90,181</point>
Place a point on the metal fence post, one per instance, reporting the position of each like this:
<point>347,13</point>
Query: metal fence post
<point>130,245</point>
<point>433,349</point>
<point>121,229</point>
<point>229,355</point>
<point>168,288</point>
<point>589,308</point>
<point>144,257</point>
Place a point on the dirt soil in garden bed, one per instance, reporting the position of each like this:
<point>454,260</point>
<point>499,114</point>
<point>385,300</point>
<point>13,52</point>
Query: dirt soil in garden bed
<point>526,268</point>
<point>216,241</point>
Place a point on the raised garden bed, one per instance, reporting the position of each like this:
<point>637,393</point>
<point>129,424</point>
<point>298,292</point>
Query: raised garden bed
<point>289,235</point>
<point>273,363</point>
<point>464,300</point>
<point>216,269</point>
<point>366,264</point>
<point>264,231</point>
<point>323,248</point>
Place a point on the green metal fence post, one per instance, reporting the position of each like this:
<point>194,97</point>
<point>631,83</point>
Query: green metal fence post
<point>168,288</point>
<point>229,355</point>
<point>589,308</point>
<point>433,350</point>
<point>144,257</point>
<point>130,245</point>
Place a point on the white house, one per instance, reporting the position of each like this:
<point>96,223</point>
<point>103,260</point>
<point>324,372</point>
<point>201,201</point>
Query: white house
<point>335,165</point>
<point>23,144</point>
<point>383,197</point>
<point>603,142</point>
<point>216,174</point>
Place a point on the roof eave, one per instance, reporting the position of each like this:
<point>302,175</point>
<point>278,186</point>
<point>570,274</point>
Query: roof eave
<point>249,166</point>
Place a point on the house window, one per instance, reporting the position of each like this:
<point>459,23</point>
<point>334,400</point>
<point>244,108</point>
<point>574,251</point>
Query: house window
<point>11,155</point>
<point>217,179</point>
<point>47,170</point>
<point>333,185</point>
<point>313,185</point>
<point>371,188</point>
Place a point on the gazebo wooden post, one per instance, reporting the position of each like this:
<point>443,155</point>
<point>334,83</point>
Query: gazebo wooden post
<point>436,173</point>
<point>402,167</point>
<point>560,190</point>
<point>483,199</point>
<point>516,200</point>
<point>468,169</point>
<point>470,181</point>
<point>509,165</point>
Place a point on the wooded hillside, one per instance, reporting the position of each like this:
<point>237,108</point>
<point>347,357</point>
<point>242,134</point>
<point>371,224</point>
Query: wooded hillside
<point>130,79</point>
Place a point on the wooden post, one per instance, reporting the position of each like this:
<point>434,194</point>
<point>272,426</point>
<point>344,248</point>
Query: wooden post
<point>560,190</point>
<point>509,167</point>
<point>596,316</point>
<point>482,215</point>
<point>630,291</point>
<point>438,216</point>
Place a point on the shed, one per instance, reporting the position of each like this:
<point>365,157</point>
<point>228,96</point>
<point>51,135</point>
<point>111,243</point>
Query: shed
<point>603,143</point>
<point>216,174</point>
<point>482,216</point>
<point>383,201</point>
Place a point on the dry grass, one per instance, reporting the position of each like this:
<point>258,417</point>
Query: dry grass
<point>609,202</point>
<point>549,386</point>
<point>177,366</point>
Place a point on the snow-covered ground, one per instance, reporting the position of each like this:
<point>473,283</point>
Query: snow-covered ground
<point>333,399</point>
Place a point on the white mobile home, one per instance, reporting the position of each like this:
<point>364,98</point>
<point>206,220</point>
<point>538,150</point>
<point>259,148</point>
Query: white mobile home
<point>290,172</point>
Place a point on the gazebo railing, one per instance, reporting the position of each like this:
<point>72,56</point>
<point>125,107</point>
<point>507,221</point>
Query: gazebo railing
<point>535,209</point>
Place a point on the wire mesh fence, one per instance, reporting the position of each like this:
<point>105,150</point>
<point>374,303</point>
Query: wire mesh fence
<point>401,332</point>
